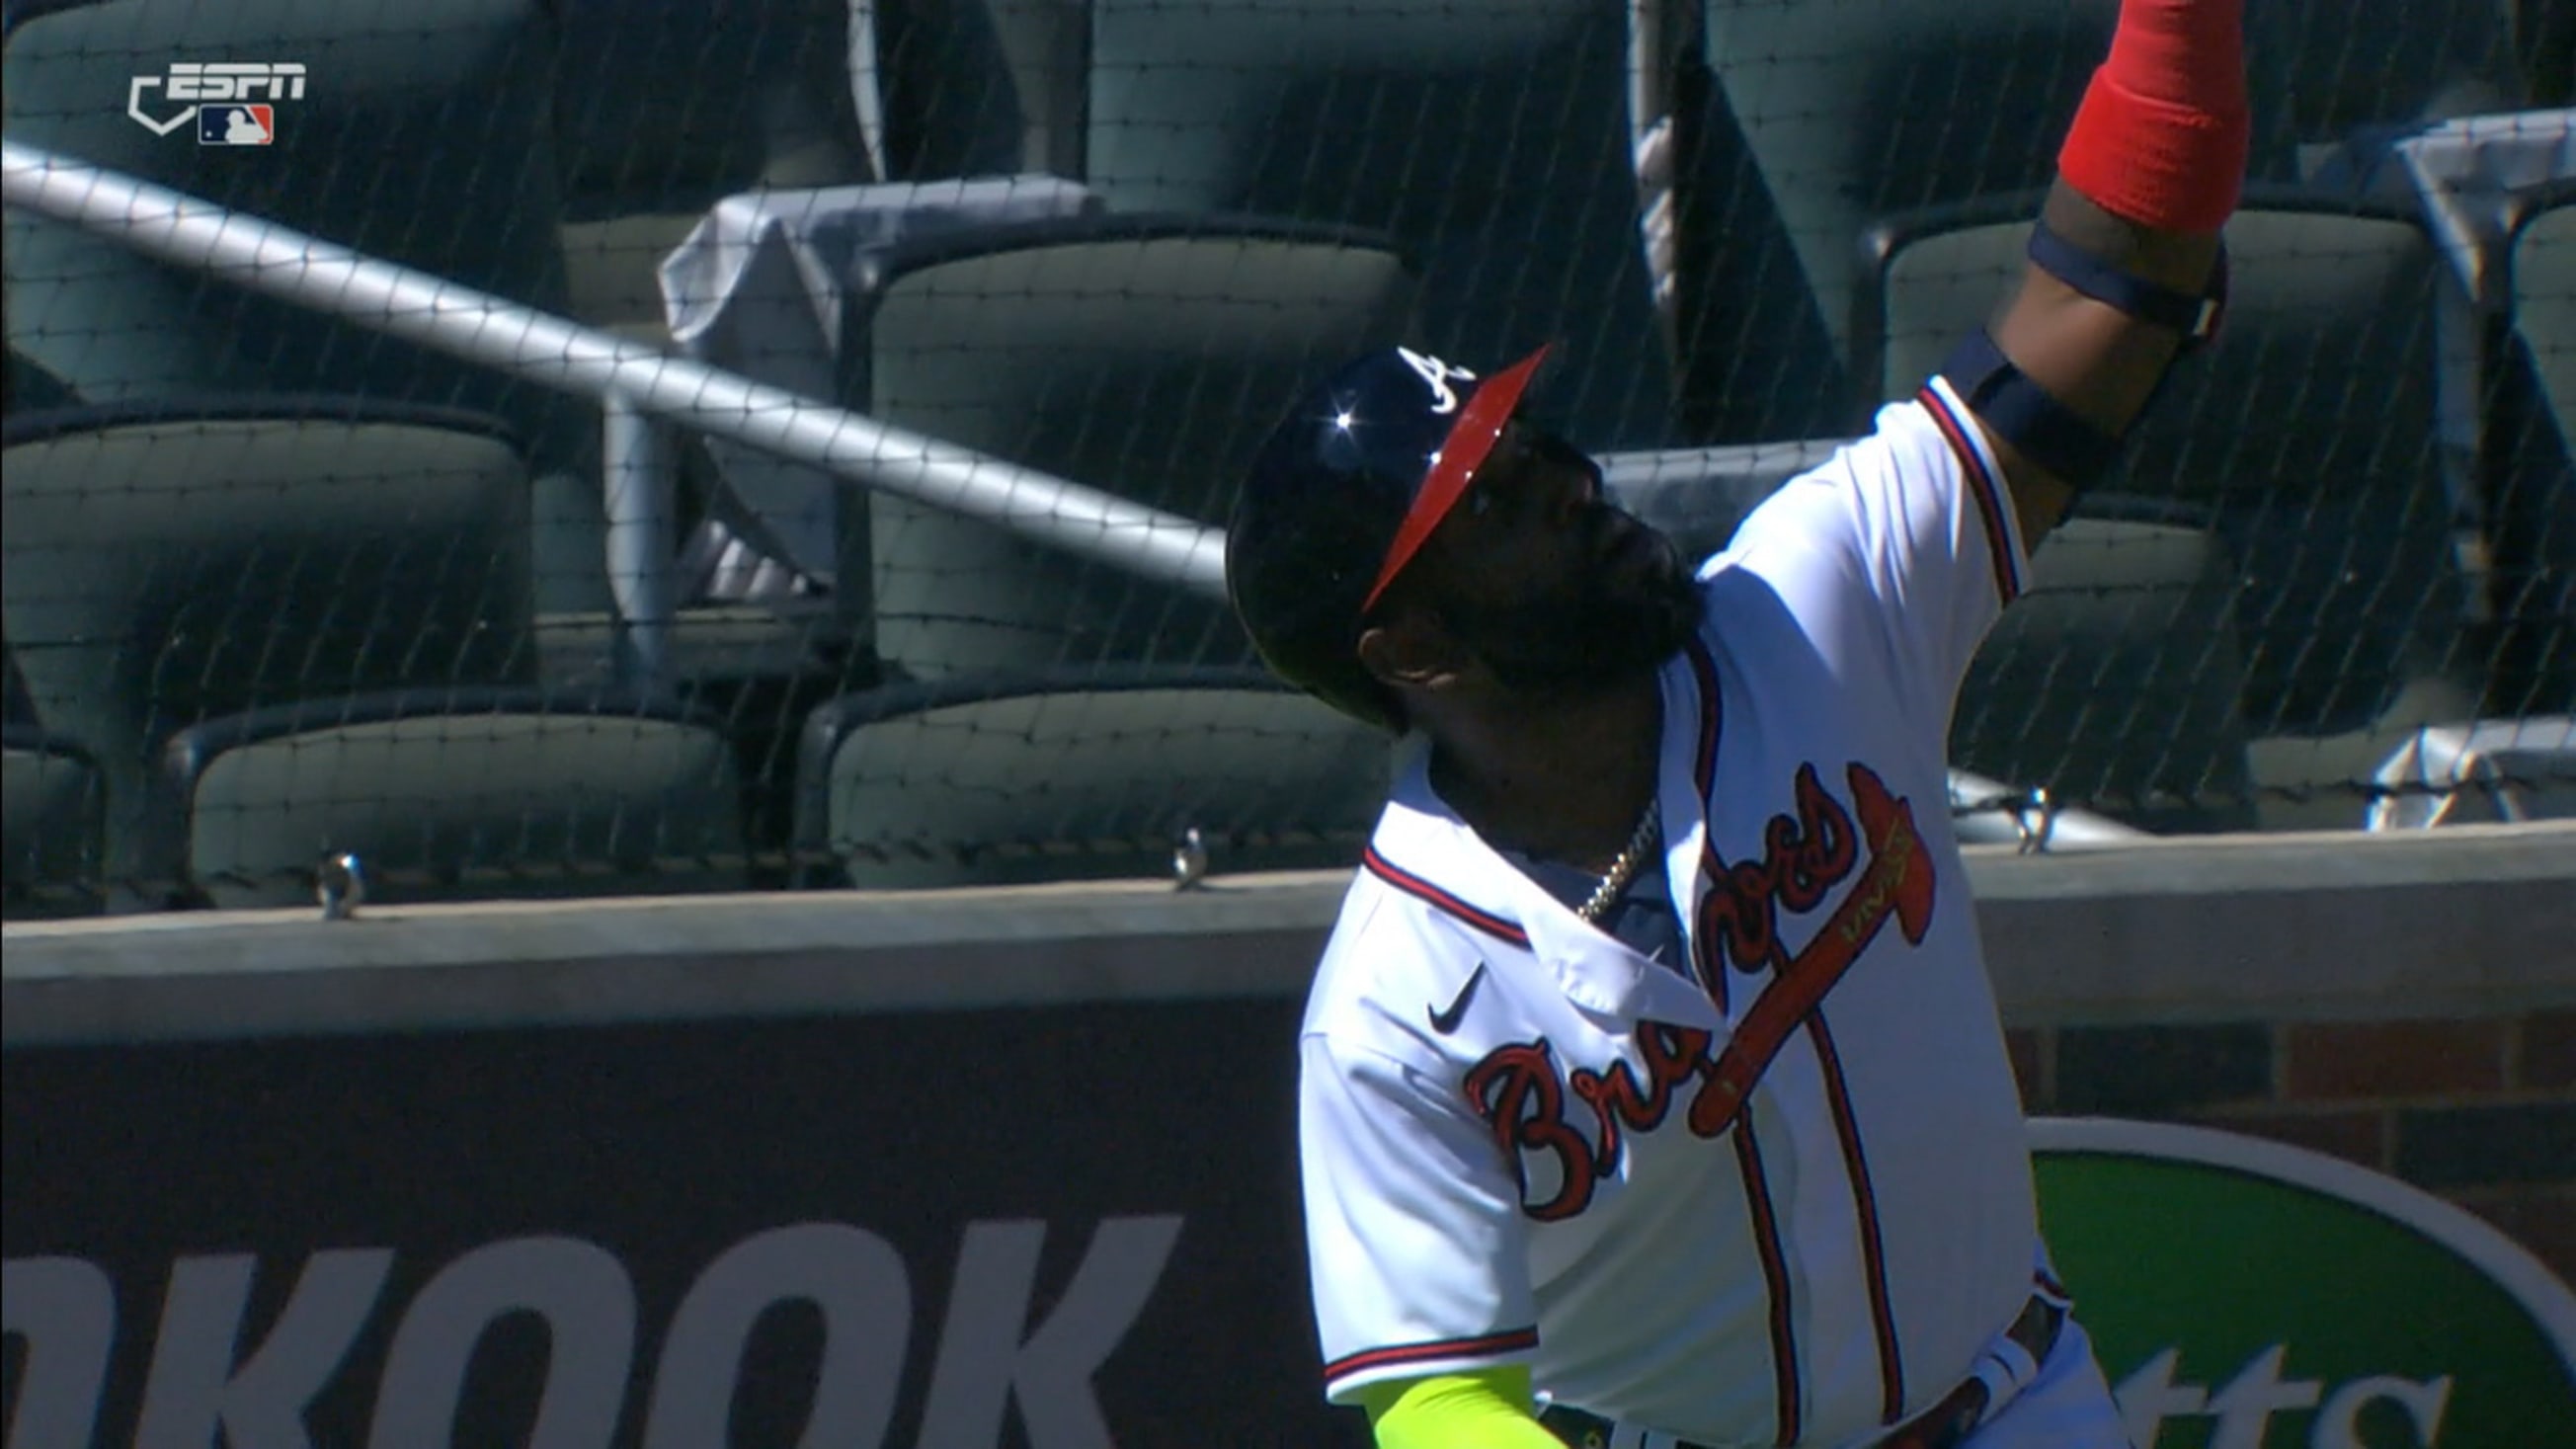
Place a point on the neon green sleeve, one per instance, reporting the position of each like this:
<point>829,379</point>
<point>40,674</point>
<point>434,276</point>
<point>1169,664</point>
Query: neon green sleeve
<point>1488,1409</point>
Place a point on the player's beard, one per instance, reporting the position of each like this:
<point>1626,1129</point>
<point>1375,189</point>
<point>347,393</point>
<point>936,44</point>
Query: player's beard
<point>1591,633</point>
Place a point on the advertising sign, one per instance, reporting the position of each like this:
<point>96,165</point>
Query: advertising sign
<point>1060,1228</point>
<point>2242,1294</point>
<point>1063,1228</point>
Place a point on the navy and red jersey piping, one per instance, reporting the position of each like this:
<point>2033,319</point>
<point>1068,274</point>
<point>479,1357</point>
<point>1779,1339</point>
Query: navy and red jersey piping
<point>1495,923</point>
<point>1775,1277</point>
<point>1873,1250</point>
<point>1712,975</point>
<point>1711,713</point>
<point>1442,1350</point>
<point>1983,488</point>
<point>1492,923</point>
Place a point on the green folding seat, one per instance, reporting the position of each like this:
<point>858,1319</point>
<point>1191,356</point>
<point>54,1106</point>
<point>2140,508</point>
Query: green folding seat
<point>49,864</point>
<point>1858,109</point>
<point>2540,512</point>
<point>1492,142</point>
<point>168,564</point>
<point>459,794</point>
<point>2114,682</point>
<point>1145,356</point>
<point>2544,300</point>
<point>2304,435</point>
<point>424,135</point>
<point>33,387</point>
<point>1083,773</point>
<point>1853,109</point>
<point>664,107</point>
<point>2406,63</point>
<point>1700,496</point>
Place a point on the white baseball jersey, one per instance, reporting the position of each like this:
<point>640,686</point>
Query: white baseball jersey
<point>1788,1201</point>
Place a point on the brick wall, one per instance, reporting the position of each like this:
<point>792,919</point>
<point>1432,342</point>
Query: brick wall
<point>2479,1111</point>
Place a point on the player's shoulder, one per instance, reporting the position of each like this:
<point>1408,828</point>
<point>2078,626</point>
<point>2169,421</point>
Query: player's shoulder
<point>1821,513</point>
<point>1388,953</point>
<point>1403,934</point>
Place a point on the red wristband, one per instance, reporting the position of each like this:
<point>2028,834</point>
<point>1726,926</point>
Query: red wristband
<point>2162,135</point>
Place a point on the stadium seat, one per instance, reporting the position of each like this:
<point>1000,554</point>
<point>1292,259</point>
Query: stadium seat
<point>50,863</point>
<point>665,106</point>
<point>2532,475</point>
<point>170,564</point>
<point>2112,683</point>
<point>459,794</point>
<point>422,136</point>
<point>1492,143</point>
<point>21,705</point>
<point>945,79</point>
<point>1832,96</point>
<point>2544,44</point>
<point>1144,356</point>
<point>1083,773</point>
<point>2414,61</point>
<point>2544,301</point>
<point>2305,433</point>
<point>1698,496</point>
<point>1854,109</point>
<point>33,386</point>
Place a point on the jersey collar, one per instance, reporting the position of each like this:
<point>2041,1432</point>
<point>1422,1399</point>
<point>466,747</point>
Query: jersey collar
<point>1424,850</point>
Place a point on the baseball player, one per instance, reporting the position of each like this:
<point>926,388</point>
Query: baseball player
<point>1652,1091</point>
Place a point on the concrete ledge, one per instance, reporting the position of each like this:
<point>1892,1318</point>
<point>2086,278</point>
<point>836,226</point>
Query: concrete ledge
<point>2468,921</point>
<point>2462,921</point>
<point>222,974</point>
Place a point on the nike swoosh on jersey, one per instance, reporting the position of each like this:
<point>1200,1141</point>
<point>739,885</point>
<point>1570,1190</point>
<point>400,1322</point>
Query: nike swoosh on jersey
<point>1446,1021</point>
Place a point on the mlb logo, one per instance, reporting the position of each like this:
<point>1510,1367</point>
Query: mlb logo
<point>237,124</point>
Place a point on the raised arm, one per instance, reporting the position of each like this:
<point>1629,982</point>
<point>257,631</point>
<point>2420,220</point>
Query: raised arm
<point>2125,264</point>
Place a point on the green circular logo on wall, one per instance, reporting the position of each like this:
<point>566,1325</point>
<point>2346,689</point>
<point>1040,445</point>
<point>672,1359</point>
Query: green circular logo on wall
<point>2242,1294</point>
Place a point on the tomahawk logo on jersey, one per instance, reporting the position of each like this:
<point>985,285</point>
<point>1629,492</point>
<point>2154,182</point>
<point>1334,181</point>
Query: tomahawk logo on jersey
<point>1524,1142</point>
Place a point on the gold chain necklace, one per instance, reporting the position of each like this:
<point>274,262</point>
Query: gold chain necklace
<point>1649,834</point>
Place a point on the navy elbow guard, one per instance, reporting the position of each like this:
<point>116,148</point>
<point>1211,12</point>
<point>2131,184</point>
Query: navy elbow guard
<point>2037,425</point>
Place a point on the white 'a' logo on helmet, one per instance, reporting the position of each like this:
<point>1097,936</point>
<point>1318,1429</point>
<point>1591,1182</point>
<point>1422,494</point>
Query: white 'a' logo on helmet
<point>1435,375</point>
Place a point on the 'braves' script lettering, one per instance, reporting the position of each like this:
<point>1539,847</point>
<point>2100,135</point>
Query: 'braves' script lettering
<point>1803,856</point>
<point>1517,1089</point>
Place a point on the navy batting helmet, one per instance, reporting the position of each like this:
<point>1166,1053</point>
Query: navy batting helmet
<point>1341,497</point>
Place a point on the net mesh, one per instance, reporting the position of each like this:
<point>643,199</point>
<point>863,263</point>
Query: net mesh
<point>285,585</point>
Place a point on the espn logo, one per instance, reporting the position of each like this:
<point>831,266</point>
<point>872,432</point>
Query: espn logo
<point>237,125</point>
<point>233,102</point>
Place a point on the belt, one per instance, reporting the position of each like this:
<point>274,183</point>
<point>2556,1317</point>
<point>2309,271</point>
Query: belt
<point>1945,1425</point>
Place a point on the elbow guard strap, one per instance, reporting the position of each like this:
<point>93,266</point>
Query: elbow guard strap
<point>2021,412</point>
<point>2195,317</point>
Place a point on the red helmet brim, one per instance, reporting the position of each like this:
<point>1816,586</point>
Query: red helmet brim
<point>1470,441</point>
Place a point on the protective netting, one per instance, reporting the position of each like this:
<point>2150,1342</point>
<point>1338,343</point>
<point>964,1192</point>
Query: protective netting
<point>282,586</point>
